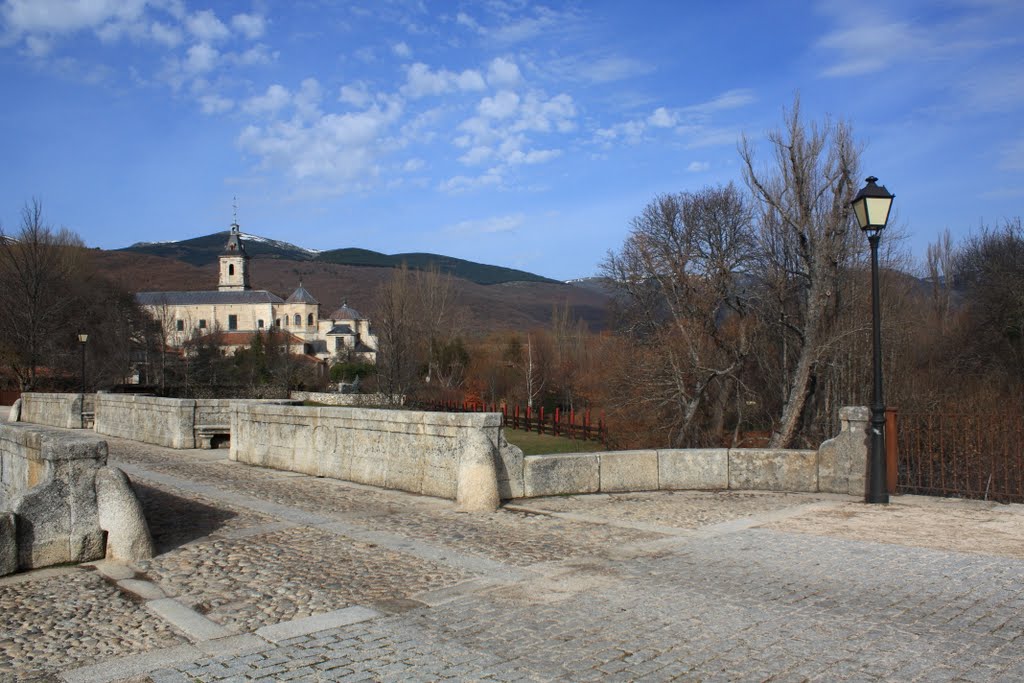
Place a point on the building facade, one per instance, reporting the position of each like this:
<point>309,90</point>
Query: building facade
<point>237,311</point>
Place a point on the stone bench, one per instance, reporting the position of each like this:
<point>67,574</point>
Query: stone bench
<point>213,436</point>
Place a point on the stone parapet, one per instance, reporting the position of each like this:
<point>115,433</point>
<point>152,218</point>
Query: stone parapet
<point>842,460</point>
<point>165,422</point>
<point>54,410</point>
<point>336,399</point>
<point>422,452</point>
<point>48,482</point>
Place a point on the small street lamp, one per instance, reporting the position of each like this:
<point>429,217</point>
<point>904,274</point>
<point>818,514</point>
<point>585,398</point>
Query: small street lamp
<point>82,338</point>
<point>871,206</point>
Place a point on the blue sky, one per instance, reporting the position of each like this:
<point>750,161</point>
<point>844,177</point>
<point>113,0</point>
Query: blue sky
<point>513,133</point>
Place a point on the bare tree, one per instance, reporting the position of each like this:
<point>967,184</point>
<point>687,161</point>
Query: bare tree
<point>37,267</point>
<point>806,240</point>
<point>680,276</point>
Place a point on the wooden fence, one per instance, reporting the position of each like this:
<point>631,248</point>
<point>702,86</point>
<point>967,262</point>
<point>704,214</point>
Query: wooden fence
<point>570,424</point>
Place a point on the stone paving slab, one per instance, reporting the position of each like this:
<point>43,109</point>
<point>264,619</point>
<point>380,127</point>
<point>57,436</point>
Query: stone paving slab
<point>726,586</point>
<point>67,619</point>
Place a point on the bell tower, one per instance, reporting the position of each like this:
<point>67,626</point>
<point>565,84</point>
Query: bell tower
<point>234,263</point>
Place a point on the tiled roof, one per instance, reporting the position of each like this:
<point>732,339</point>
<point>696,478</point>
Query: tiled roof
<point>340,329</point>
<point>345,313</point>
<point>215,297</point>
<point>301,296</point>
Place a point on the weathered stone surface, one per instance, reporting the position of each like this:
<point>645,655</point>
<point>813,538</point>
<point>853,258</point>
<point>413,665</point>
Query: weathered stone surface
<point>843,460</point>
<point>8,544</point>
<point>553,475</point>
<point>336,399</point>
<point>52,410</point>
<point>629,471</point>
<point>694,468</point>
<point>15,413</point>
<point>767,469</point>
<point>161,421</point>
<point>48,482</point>
<point>477,477</point>
<point>121,516</point>
<point>168,422</point>
<point>421,452</point>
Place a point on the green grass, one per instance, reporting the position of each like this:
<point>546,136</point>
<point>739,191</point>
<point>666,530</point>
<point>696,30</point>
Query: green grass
<point>533,443</point>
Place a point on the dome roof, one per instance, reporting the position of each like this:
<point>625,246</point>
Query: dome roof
<point>301,296</point>
<point>345,313</point>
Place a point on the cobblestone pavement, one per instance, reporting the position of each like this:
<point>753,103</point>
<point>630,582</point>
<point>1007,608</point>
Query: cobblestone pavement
<point>269,576</point>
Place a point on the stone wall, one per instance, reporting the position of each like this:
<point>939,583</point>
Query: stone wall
<point>47,479</point>
<point>838,466</point>
<point>166,422</point>
<point>671,469</point>
<point>169,422</point>
<point>435,454</point>
<point>54,410</point>
<point>336,399</point>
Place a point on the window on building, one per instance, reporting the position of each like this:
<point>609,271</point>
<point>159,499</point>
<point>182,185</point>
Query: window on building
<point>277,323</point>
<point>259,324</point>
<point>231,269</point>
<point>232,322</point>
<point>309,320</point>
<point>179,325</point>
<point>338,344</point>
<point>298,320</point>
<point>202,324</point>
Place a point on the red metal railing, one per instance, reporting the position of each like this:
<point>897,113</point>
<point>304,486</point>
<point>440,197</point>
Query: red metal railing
<point>960,454</point>
<point>571,424</point>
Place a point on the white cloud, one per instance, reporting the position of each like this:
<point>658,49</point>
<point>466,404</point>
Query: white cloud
<point>201,58</point>
<point>165,34</point>
<point>273,100</point>
<point>356,95</point>
<point>476,155</point>
<point>215,104</point>
<point>543,115</point>
<point>252,26</point>
<point>257,54</point>
<point>460,183</point>
<point>503,73</point>
<point>66,16</point>
<point>37,46</point>
<point>730,99</point>
<point>698,166</point>
<point>340,151</point>
<point>501,106</point>
<point>421,81</point>
<point>206,27</point>
<point>401,50</point>
<point>662,118</point>
<point>868,48</point>
<point>487,226</point>
<point>307,100</point>
<point>608,69</point>
<point>413,165</point>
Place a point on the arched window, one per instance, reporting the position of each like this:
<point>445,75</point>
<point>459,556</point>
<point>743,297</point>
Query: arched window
<point>298,319</point>
<point>277,323</point>
<point>309,320</point>
<point>231,269</point>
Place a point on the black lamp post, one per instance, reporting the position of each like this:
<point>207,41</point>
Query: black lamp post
<point>82,338</point>
<point>871,206</point>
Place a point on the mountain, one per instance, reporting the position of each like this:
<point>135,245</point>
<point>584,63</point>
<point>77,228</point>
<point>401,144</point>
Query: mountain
<point>203,251</point>
<point>493,299</point>
<point>479,273</point>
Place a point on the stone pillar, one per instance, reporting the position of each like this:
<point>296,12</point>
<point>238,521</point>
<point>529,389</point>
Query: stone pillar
<point>843,460</point>
<point>477,478</point>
